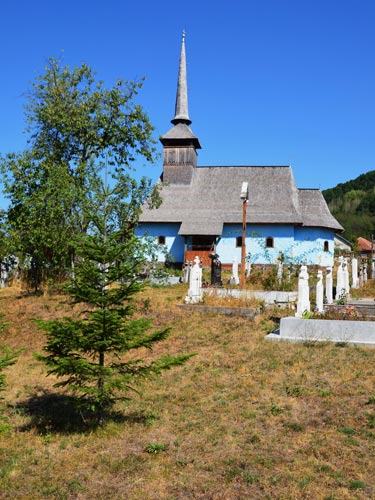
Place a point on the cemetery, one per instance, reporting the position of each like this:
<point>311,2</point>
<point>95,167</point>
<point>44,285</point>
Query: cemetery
<point>354,322</point>
<point>267,397</point>
<point>210,215</point>
<point>239,410</point>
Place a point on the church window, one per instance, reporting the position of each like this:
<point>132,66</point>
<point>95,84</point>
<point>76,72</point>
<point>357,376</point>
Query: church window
<point>269,242</point>
<point>326,246</point>
<point>161,240</point>
<point>239,242</point>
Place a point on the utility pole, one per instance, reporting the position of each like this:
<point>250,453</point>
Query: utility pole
<point>244,198</point>
<point>372,258</point>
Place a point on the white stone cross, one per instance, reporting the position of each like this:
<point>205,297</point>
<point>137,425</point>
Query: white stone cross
<point>340,284</point>
<point>319,292</point>
<point>303,303</point>
<point>329,285</point>
<point>235,277</point>
<point>195,286</point>
<point>354,272</point>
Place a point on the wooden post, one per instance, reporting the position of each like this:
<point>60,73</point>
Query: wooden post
<point>372,257</point>
<point>243,246</point>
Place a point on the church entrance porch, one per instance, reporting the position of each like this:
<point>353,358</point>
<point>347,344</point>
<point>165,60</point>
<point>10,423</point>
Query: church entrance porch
<point>200,246</point>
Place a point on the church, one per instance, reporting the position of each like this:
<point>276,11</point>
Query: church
<point>202,210</point>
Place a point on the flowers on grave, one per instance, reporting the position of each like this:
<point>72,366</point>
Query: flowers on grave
<point>349,313</point>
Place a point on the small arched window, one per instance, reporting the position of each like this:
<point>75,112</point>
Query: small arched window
<point>161,240</point>
<point>326,246</point>
<point>269,242</point>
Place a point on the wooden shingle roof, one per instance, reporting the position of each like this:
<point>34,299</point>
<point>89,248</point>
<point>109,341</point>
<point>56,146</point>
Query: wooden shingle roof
<point>213,199</point>
<point>315,211</point>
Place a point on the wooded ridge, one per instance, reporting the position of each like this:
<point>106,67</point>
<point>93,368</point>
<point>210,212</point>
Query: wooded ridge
<point>353,205</point>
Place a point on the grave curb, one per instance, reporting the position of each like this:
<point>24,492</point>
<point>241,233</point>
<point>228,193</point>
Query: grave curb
<point>325,330</point>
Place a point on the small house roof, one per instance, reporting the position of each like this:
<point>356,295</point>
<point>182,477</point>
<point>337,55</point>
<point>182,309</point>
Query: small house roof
<point>342,243</point>
<point>364,245</point>
<point>213,199</point>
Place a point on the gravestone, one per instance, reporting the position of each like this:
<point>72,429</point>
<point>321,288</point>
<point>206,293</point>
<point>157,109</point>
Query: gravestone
<point>329,286</point>
<point>319,292</point>
<point>346,276</point>
<point>289,273</point>
<point>340,284</point>
<point>234,278</point>
<point>279,271</point>
<point>4,275</point>
<point>354,273</point>
<point>215,270</point>
<point>360,275</point>
<point>303,303</point>
<point>195,287</point>
<point>186,272</point>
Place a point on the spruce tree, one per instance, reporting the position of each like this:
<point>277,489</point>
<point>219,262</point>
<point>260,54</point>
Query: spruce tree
<point>88,353</point>
<point>8,357</point>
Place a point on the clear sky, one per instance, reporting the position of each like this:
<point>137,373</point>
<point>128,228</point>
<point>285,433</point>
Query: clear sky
<point>270,82</point>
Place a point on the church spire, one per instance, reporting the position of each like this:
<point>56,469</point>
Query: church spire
<point>179,143</point>
<point>181,110</point>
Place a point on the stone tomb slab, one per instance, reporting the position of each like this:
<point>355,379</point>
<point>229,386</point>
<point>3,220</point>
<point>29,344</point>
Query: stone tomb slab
<point>324,330</point>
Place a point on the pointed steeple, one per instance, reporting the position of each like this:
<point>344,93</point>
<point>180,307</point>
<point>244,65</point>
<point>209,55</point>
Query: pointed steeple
<point>181,109</point>
<point>180,144</point>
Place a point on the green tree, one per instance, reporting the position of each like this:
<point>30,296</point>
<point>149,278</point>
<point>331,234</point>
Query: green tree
<point>75,127</point>
<point>353,205</point>
<point>7,358</point>
<point>89,353</point>
<point>367,206</point>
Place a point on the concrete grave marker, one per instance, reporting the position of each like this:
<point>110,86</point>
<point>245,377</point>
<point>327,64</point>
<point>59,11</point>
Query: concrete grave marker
<point>354,273</point>
<point>303,303</point>
<point>340,283</point>
<point>195,287</point>
<point>329,286</point>
<point>346,276</point>
<point>319,292</point>
<point>234,278</point>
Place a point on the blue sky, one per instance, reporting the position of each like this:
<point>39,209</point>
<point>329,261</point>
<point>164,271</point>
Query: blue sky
<point>270,82</point>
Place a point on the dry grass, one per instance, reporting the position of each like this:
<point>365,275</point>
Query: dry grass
<point>243,419</point>
<point>212,299</point>
<point>367,291</point>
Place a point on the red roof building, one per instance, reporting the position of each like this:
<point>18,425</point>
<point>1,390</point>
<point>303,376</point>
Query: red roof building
<point>365,246</point>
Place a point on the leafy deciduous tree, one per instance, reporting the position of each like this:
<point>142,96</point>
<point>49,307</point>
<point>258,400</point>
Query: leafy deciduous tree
<point>75,127</point>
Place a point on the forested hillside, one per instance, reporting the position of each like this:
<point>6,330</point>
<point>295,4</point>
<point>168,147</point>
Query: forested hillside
<point>353,205</point>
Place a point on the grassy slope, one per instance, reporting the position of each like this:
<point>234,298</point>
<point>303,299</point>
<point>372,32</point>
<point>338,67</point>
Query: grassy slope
<point>243,419</point>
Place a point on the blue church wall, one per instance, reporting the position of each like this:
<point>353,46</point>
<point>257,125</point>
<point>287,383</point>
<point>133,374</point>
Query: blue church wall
<point>314,245</point>
<point>297,244</point>
<point>283,237</point>
<point>174,243</point>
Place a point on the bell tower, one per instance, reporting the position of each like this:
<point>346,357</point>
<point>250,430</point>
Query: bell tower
<point>180,144</point>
